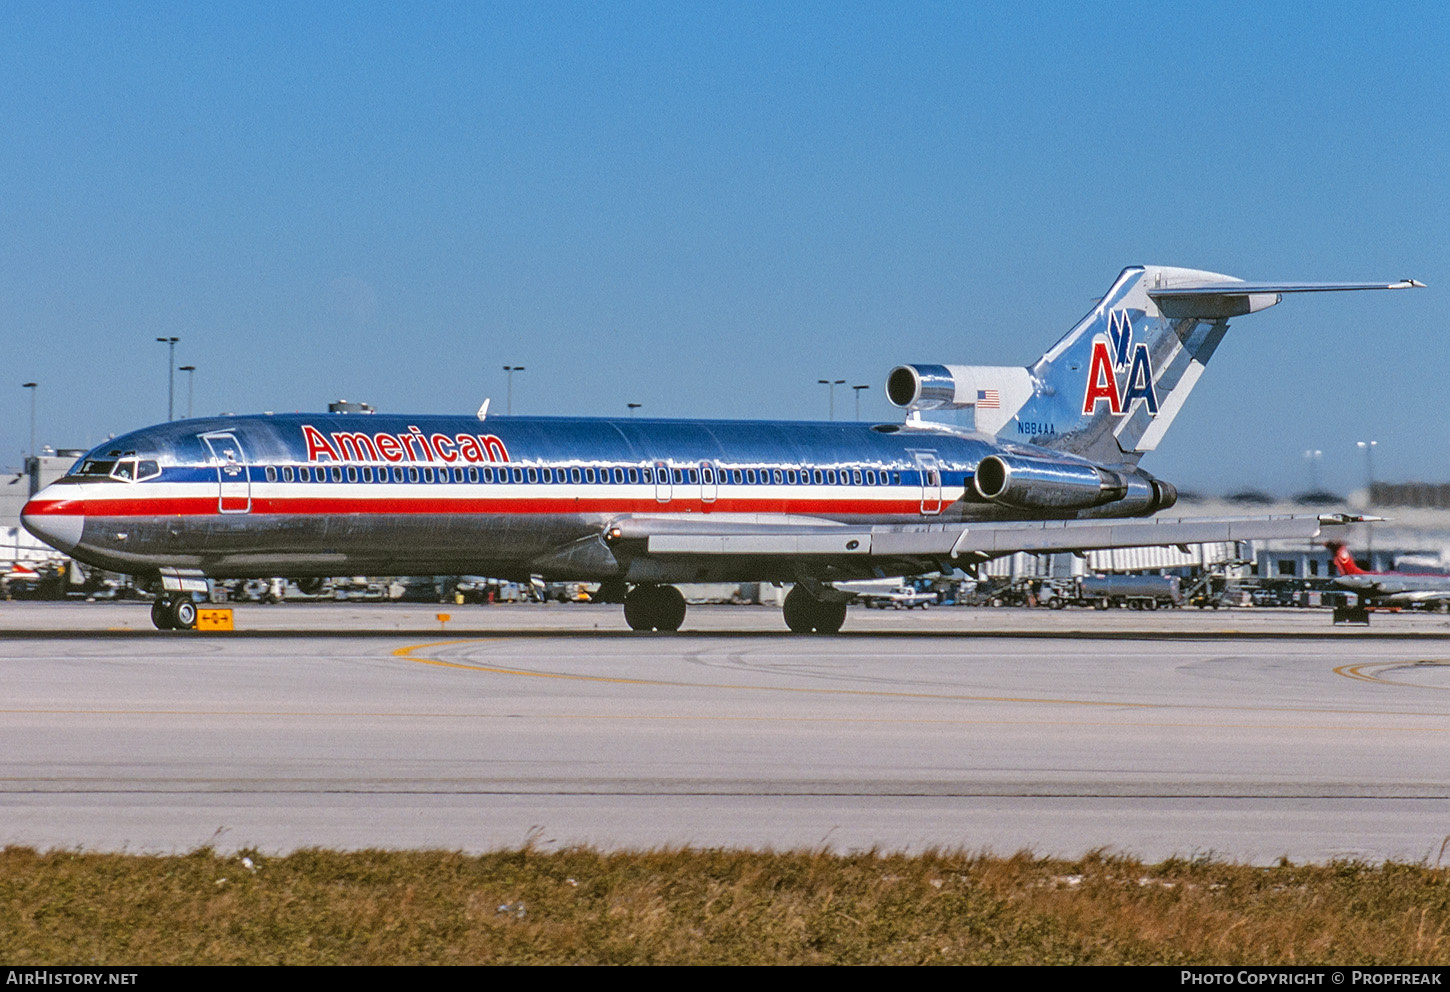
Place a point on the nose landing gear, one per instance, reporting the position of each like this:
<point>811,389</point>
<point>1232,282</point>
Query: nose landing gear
<point>174,614</point>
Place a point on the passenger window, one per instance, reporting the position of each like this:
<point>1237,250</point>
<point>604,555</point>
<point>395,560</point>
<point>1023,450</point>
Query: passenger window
<point>855,476</point>
<point>304,473</point>
<point>548,475</point>
<point>337,473</point>
<point>589,475</point>
<point>518,474</point>
<point>533,475</point>
<point>287,474</point>
<point>427,475</point>
<point>870,477</point>
<point>413,473</point>
<point>750,476</point>
<point>619,476</point>
<point>271,474</point>
<point>778,475</point>
<point>352,473</point>
<point>830,476</point>
<point>694,476</point>
<point>576,476</point>
<point>634,475</point>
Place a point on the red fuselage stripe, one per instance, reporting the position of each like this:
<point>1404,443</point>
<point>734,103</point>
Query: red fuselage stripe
<point>314,506</point>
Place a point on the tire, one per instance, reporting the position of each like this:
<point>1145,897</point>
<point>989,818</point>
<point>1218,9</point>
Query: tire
<point>654,608</point>
<point>183,614</point>
<point>639,608</point>
<point>804,614</point>
<point>161,614</point>
<point>672,608</point>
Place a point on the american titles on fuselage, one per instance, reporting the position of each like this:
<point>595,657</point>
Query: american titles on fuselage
<point>413,446</point>
<point>1116,353</point>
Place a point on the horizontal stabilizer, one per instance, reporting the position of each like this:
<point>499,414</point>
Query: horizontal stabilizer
<point>1220,300</point>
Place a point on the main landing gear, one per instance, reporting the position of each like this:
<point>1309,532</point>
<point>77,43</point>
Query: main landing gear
<point>805,614</point>
<point>654,608</point>
<point>174,614</point>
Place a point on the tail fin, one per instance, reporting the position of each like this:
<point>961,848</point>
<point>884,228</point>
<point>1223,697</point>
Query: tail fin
<point>1344,563</point>
<point>1111,387</point>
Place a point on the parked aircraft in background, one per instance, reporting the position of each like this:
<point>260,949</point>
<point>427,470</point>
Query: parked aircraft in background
<point>1051,465</point>
<point>1389,588</point>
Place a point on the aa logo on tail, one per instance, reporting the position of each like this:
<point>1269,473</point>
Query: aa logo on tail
<point>1113,355</point>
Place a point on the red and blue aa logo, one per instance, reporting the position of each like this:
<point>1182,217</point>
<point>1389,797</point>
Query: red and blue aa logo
<point>1116,355</point>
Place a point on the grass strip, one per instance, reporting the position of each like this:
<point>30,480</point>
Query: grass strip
<point>584,906</point>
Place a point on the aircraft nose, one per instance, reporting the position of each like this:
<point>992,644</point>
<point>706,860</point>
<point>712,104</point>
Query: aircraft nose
<point>57,522</point>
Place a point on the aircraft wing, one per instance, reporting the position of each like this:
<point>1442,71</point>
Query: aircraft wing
<point>949,541</point>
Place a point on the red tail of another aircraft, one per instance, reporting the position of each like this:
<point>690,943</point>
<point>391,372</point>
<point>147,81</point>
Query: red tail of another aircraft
<point>1344,561</point>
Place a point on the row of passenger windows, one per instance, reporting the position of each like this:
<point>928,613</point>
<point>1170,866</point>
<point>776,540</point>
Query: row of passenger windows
<point>709,475</point>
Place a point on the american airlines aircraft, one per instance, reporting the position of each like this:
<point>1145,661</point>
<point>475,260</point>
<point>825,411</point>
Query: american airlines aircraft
<point>1051,464</point>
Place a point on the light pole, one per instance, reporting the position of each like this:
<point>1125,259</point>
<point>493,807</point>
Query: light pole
<point>1312,457</point>
<point>831,385</point>
<point>32,387</point>
<point>188,369</point>
<point>633,407</point>
<point>170,376</point>
<point>1368,447</point>
<point>858,399</point>
<point>511,369</point>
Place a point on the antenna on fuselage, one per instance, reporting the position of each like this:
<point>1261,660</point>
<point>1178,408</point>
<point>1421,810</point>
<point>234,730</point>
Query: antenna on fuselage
<point>483,410</point>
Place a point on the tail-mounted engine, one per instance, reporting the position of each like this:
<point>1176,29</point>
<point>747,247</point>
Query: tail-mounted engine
<point>1047,484</point>
<point>956,387</point>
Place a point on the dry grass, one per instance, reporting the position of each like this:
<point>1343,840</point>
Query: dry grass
<point>710,907</point>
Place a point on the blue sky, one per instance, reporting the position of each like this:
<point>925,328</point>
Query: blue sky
<point>704,208</point>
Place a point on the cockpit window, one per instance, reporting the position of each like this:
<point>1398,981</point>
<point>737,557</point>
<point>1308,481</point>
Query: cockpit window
<point>94,466</point>
<point>129,469</point>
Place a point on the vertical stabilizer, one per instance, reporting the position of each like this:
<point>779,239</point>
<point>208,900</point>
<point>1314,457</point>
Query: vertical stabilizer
<point>1112,386</point>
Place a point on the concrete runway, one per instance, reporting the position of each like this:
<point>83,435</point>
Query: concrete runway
<point>1247,735</point>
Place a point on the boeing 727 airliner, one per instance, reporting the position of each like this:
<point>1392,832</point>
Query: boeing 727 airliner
<point>637,505</point>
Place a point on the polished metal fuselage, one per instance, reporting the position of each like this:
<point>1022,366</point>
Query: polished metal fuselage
<point>322,495</point>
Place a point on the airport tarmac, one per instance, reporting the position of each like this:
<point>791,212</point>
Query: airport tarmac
<point>1246,734</point>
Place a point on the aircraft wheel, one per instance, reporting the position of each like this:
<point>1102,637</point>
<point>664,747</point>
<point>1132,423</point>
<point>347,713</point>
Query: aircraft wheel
<point>183,614</point>
<point>161,614</point>
<point>654,608</point>
<point>804,614</point>
<point>672,608</point>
